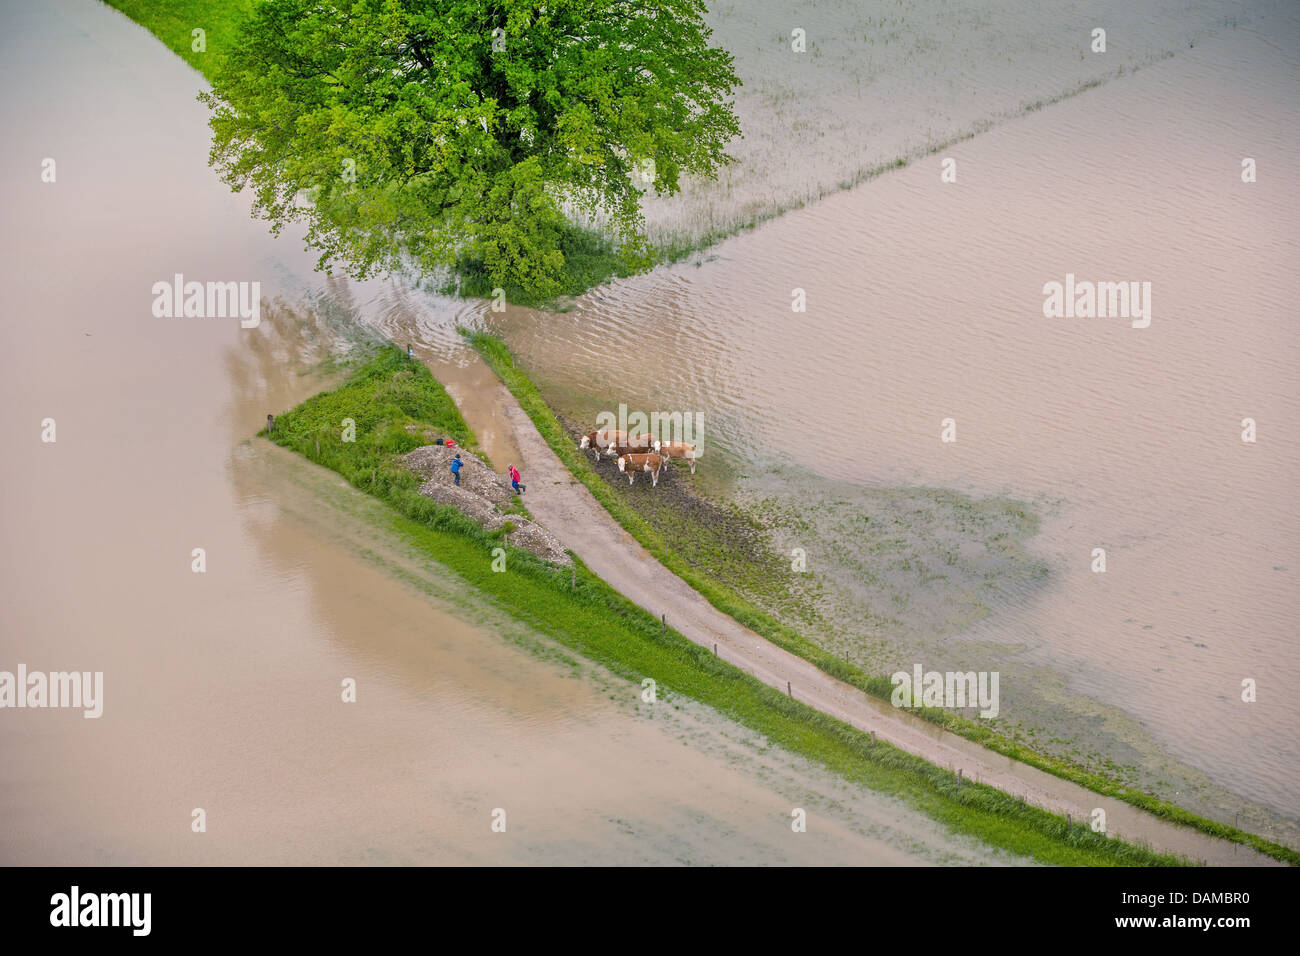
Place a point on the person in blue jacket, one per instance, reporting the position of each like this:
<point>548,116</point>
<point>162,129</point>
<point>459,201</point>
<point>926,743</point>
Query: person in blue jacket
<point>455,468</point>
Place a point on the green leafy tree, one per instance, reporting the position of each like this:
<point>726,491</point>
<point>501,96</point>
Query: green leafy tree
<point>421,133</point>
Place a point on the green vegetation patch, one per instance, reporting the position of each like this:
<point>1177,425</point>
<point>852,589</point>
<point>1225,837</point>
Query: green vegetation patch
<point>590,259</point>
<point>174,22</point>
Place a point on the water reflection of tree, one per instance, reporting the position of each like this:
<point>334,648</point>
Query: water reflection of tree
<point>276,365</point>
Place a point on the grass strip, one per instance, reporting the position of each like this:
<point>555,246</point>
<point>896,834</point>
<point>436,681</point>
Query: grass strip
<point>174,22</point>
<point>498,356</point>
<point>387,392</point>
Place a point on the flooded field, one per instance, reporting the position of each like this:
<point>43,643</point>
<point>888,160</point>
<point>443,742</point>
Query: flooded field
<point>925,302</point>
<point>222,689</point>
<point>885,79</point>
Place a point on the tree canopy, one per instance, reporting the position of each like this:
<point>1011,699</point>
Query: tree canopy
<point>416,133</point>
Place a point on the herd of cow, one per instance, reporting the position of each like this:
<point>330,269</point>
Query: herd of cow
<point>637,452</point>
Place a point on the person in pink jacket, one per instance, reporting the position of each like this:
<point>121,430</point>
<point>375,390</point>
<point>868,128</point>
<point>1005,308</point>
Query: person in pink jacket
<point>514,480</point>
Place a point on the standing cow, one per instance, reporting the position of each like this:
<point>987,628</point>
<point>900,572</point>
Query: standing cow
<point>601,440</point>
<point>640,444</point>
<point>676,449</point>
<point>630,464</point>
<point>636,445</point>
<point>611,443</point>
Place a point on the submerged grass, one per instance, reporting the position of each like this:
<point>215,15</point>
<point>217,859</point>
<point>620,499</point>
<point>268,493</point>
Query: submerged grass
<point>724,542</point>
<point>386,392</point>
<point>725,599</point>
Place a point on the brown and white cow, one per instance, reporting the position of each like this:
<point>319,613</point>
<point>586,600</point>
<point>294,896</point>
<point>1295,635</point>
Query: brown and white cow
<point>636,445</point>
<point>676,449</point>
<point>640,444</point>
<point>632,463</point>
<point>610,443</point>
<point>602,439</point>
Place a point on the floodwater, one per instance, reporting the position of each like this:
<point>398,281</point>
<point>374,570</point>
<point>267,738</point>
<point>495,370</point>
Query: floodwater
<point>925,302</point>
<point>222,689</point>
<point>877,81</point>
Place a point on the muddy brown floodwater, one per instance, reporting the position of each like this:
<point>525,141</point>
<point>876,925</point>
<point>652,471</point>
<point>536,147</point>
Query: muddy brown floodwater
<point>925,302</point>
<point>222,689</point>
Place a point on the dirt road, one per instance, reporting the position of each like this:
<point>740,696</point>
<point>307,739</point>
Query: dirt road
<point>565,507</point>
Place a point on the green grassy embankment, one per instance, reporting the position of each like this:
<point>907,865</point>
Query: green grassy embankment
<point>498,356</point>
<point>174,22</point>
<point>386,393</point>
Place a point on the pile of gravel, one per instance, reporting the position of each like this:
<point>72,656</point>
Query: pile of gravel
<point>481,495</point>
